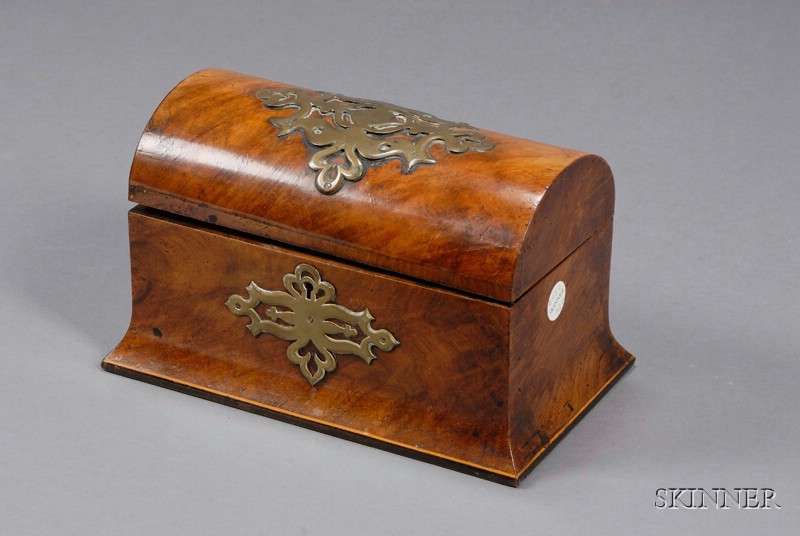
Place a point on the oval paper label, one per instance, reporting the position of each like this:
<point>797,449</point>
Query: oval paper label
<point>556,301</point>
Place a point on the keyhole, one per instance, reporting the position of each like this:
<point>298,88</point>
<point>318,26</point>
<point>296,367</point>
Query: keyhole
<point>309,287</point>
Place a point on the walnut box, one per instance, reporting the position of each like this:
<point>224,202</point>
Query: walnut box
<point>370,271</point>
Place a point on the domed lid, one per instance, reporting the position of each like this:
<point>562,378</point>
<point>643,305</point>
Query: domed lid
<point>383,186</point>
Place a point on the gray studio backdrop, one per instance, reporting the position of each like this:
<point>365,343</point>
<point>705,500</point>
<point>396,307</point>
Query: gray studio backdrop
<point>695,106</point>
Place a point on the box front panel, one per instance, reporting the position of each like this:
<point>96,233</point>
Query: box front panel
<point>441,392</point>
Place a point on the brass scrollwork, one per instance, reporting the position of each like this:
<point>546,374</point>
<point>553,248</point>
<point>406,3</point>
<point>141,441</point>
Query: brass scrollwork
<point>349,133</point>
<point>307,316</point>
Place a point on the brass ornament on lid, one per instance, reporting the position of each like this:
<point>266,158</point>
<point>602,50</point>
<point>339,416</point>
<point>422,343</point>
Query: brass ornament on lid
<point>346,134</point>
<point>307,316</point>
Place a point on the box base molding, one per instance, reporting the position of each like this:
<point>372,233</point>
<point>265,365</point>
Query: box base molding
<point>318,425</point>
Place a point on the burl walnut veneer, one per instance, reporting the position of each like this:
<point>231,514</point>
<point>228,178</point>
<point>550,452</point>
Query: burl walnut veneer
<point>370,271</point>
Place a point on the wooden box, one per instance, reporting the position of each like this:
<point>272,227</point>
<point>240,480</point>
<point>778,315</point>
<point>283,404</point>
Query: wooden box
<point>370,271</point>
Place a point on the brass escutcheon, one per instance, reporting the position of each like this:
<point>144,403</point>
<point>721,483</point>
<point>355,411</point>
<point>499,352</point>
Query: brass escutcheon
<point>307,316</point>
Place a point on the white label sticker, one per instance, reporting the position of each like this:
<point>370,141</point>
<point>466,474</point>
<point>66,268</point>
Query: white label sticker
<point>556,301</point>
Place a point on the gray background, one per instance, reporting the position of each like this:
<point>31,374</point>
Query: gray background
<point>694,104</point>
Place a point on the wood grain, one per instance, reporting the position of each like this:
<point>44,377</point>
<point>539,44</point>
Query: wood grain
<point>456,259</point>
<point>558,368</point>
<point>477,386</point>
<point>209,153</point>
<point>420,395</point>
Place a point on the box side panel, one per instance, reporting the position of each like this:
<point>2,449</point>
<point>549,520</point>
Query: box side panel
<point>560,367</point>
<point>441,393</point>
